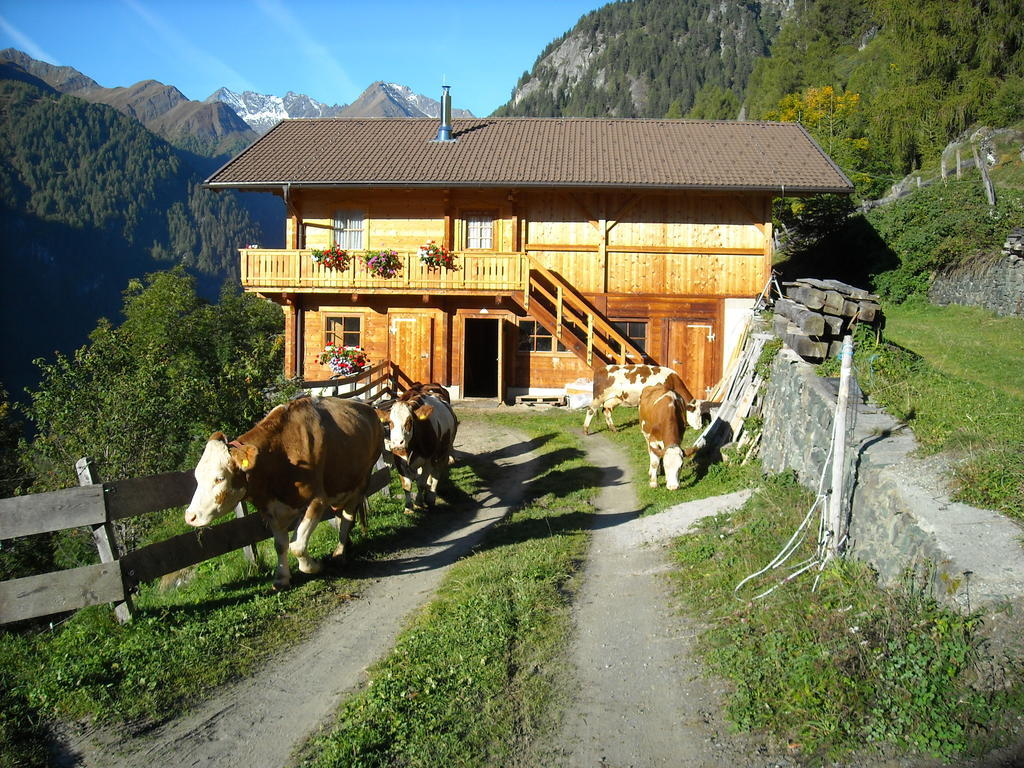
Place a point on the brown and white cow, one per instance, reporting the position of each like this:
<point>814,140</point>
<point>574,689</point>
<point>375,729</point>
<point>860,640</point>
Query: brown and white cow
<point>300,459</point>
<point>622,385</point>
<point>663,416</point>
<point>433,388</point>
<point>421,430</point>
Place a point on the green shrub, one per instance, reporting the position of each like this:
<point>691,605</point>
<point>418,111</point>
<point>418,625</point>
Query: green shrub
<point>834,669</point>
<point>936,228</point>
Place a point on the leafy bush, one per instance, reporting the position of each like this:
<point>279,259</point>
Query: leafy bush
<point>846,665</point>
<point>142,397</point>
<point>937,228</point>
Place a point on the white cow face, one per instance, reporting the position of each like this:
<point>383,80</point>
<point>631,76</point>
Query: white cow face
<point>399,424</point>
<point>220,483</point>
<point>673,462</point>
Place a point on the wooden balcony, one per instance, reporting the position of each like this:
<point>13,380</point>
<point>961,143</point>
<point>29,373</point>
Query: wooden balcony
<point>294,271</point>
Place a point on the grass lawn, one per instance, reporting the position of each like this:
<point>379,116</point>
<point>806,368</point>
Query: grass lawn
<point>967,343</point>
<point>956,376</point>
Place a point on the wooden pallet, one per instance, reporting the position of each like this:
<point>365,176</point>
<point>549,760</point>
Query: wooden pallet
<point>540,400</point>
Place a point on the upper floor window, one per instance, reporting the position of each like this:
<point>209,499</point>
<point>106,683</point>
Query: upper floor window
<point>480,230</point>
<point>348,229</point>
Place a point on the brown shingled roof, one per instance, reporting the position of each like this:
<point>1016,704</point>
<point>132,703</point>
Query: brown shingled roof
<point>537,152</point>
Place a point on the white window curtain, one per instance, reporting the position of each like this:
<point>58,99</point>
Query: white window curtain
<point>348,229</point>
<point>479,229</point>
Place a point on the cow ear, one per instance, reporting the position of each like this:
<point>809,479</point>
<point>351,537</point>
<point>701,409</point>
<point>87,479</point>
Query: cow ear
<point>244,456</point>
<point>424,411</point>
<point>384,416</point>
<point>218,436</point>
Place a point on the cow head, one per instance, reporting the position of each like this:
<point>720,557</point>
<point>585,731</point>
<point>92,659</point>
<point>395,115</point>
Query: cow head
<point>220,479</point>
<point>693,414</point>
<point>672,461</point>
<point>399,423</point>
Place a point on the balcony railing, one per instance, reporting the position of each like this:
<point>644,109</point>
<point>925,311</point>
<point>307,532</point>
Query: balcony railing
<point>295,270</point>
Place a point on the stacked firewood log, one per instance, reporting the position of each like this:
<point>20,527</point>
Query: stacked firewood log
<point>814,316</point>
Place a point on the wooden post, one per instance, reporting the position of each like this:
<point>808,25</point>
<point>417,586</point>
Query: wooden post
<point>558,311</point>
<point>986,182</point>
<point>839,450</point>
<point>106,543</point>
<point>251,553</point>
<point>590,338</point>
<point>959,173</point>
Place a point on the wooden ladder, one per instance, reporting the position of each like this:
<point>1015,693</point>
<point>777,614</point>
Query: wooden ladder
<point>574,321</point>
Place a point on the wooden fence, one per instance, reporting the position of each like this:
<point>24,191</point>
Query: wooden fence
<point>98,505</point>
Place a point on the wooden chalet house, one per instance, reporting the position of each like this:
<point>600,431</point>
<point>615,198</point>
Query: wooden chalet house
<point>578,242</point>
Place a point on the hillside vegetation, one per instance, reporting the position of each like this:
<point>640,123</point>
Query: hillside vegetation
<point>649,58</point>
<point>88,200</point>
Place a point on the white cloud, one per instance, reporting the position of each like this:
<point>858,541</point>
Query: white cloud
<point>214,68</point>
<point>26,44</point>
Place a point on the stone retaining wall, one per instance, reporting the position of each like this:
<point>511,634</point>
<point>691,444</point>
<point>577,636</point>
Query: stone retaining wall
<point>998,287</point>
<point>901,515</point>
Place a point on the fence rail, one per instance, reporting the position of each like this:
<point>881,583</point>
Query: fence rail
<point>97,505</point>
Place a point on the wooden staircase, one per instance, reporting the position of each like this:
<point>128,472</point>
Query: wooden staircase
<point>574,321</point>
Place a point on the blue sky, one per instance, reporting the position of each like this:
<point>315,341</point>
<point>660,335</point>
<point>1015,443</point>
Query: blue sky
<point>330,51</point>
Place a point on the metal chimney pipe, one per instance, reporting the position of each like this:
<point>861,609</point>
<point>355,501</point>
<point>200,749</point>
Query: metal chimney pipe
<point>444,132</point>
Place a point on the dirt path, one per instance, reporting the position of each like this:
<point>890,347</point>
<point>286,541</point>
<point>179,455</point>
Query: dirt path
<point>641,701</point>
<point>259,721</point>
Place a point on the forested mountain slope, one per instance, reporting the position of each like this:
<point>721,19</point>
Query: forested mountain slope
<point>650,58</point>
<point>88,199</point>
<point>209,128</point>
<point>914,75</point>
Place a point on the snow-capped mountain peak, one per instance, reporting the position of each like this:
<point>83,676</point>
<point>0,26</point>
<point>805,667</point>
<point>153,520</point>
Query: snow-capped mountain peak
<point>263,111</point>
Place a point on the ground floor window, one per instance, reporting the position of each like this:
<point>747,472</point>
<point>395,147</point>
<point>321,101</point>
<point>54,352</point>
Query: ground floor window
<point>534,337</point>
<point>343,330</point>
<point>634,330</point>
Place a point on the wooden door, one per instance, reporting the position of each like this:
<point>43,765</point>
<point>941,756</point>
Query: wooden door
<point>410,346</point>
<point>693,353</point>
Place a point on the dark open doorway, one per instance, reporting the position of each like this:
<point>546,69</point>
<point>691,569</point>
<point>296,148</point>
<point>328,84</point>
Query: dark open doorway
<point>480,375</point>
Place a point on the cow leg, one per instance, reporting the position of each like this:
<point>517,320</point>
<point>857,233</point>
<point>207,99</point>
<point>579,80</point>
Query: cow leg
<point>405,474</point>
<point>608,405</point>
<point>345,521</point>
<point>652,470</point>
<point>314,513</point>
<point>433,480</point>
<point>591,410</point>
<point>422,478</point>
<point>608,417</point>
<point>283,576</point>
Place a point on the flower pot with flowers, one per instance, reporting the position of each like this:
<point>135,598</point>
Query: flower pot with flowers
<point>384,263</point>
<point>437,256</point>
<point>344,361</point>
<point>334,257</point>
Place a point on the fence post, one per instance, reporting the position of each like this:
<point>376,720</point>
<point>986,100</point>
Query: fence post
<point>835,500</point>
<point>251,553</point>
<point>103,535</point>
